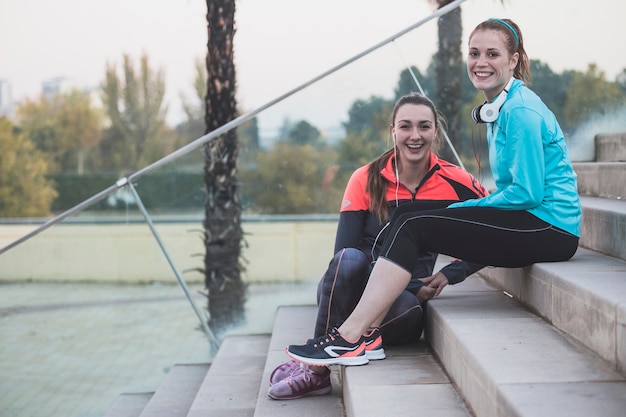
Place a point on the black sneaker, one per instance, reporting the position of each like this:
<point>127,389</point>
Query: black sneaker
<point>330,349</point>
<point>374,345</point>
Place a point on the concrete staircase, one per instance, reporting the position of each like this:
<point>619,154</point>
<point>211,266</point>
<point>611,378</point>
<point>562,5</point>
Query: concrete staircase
<point>546,340</point>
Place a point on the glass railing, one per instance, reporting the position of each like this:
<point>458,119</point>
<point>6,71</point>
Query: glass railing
<point>93,240</point>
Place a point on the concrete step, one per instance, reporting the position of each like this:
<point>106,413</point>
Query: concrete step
<point>409,382</point>
<point>601,179</point>
<point>610,147</point>
<point>177,391</point>
<point>409,379</point>
<point>603,227</point>
<point>227,387</point>
<point>506,361</point>
<point>231,387</point>
<point>129,405</point>
<point>295,324</point>
<point>583,297</point>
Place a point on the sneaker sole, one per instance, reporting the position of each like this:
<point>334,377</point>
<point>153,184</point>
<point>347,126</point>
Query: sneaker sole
<point>322,391</point>
<point>375,355</point>
<point>351,361</point>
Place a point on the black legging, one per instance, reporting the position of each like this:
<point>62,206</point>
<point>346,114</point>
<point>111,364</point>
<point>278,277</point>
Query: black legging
<point>340,289</point>
<point>505,238</point>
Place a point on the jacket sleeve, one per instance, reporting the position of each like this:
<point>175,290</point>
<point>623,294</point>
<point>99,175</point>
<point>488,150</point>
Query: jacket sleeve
<point>349,229</point>
<point>424,268</point>
<point>458,270</point>
<point>353,211</point>
<point>520,168</point>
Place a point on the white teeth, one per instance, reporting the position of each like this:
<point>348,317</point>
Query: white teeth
<point>414,146</point>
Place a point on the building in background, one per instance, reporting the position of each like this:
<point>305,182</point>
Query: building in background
<point>6,99</point>
<point>58,85</point>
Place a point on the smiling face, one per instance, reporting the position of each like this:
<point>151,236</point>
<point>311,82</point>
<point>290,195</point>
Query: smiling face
<point>489,65</point>
<point>414,130</point>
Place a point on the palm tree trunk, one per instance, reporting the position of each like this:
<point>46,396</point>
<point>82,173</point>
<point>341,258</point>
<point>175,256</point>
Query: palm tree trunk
<point>449,64</point>
<point>223,235</point>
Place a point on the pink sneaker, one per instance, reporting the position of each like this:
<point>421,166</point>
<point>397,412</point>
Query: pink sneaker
<point>284,370</point>
<point>301,383</point>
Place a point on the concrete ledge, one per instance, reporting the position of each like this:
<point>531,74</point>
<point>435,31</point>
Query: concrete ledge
<point>610,147</point>
<point>507,362</point>
<point>601,179</point>
<point>584,297</point>
<point>409,382</point>
<point>603,228</point>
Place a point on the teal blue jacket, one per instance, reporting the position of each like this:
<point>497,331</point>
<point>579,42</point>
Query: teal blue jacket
<point>530,163</point>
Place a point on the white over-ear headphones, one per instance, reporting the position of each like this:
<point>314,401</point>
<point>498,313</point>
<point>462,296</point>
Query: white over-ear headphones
<point>488,112</point>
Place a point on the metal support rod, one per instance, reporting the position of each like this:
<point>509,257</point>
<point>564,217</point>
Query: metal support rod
<point>212,339</point>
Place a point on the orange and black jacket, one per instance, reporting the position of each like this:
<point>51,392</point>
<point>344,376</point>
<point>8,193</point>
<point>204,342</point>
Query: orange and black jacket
<point>444,184</point>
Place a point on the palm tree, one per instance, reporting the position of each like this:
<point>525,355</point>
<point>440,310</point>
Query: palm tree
<point>223,235</point>
<point>449,70</point>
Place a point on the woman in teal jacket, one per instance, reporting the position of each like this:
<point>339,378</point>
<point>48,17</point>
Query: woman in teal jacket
<point>533,215</point>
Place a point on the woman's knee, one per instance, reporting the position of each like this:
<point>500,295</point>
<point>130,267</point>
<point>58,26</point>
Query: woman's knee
<point>349,268</point>
<point>349,263</point>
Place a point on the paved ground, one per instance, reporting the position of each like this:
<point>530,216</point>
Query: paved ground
<point>68,350</point>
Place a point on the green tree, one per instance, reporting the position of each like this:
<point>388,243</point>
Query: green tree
<point>590,94</point>
<point>37,121</point>
<point>80,127</point>
<point>65,127</point>
<point>134,106</point>
<point>303,133</point>
<point>407,85</point>
<point>367,132</point>
<point>294,179</point>
<point>223,234</point>
<point>621,80</point>
<point>24,190</point>
<point>370,117</point>
<point>193,127</point>
<point>249,143</point>
<point>552,87</point>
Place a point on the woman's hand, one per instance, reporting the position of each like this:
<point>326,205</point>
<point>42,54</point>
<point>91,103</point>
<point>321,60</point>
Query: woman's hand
<point>433,285</point>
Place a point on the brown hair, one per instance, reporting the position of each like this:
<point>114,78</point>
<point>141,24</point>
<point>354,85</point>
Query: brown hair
<point>376,184</point>
<point>514,43</point>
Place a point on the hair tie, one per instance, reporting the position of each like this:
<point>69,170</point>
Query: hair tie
<point>510,28</point>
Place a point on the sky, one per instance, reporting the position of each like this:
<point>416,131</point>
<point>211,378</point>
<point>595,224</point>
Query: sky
<point>281,45</point>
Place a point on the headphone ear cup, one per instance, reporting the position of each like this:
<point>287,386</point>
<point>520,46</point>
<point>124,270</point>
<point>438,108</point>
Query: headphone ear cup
<point>487,112</point>
<point>476,114</point>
